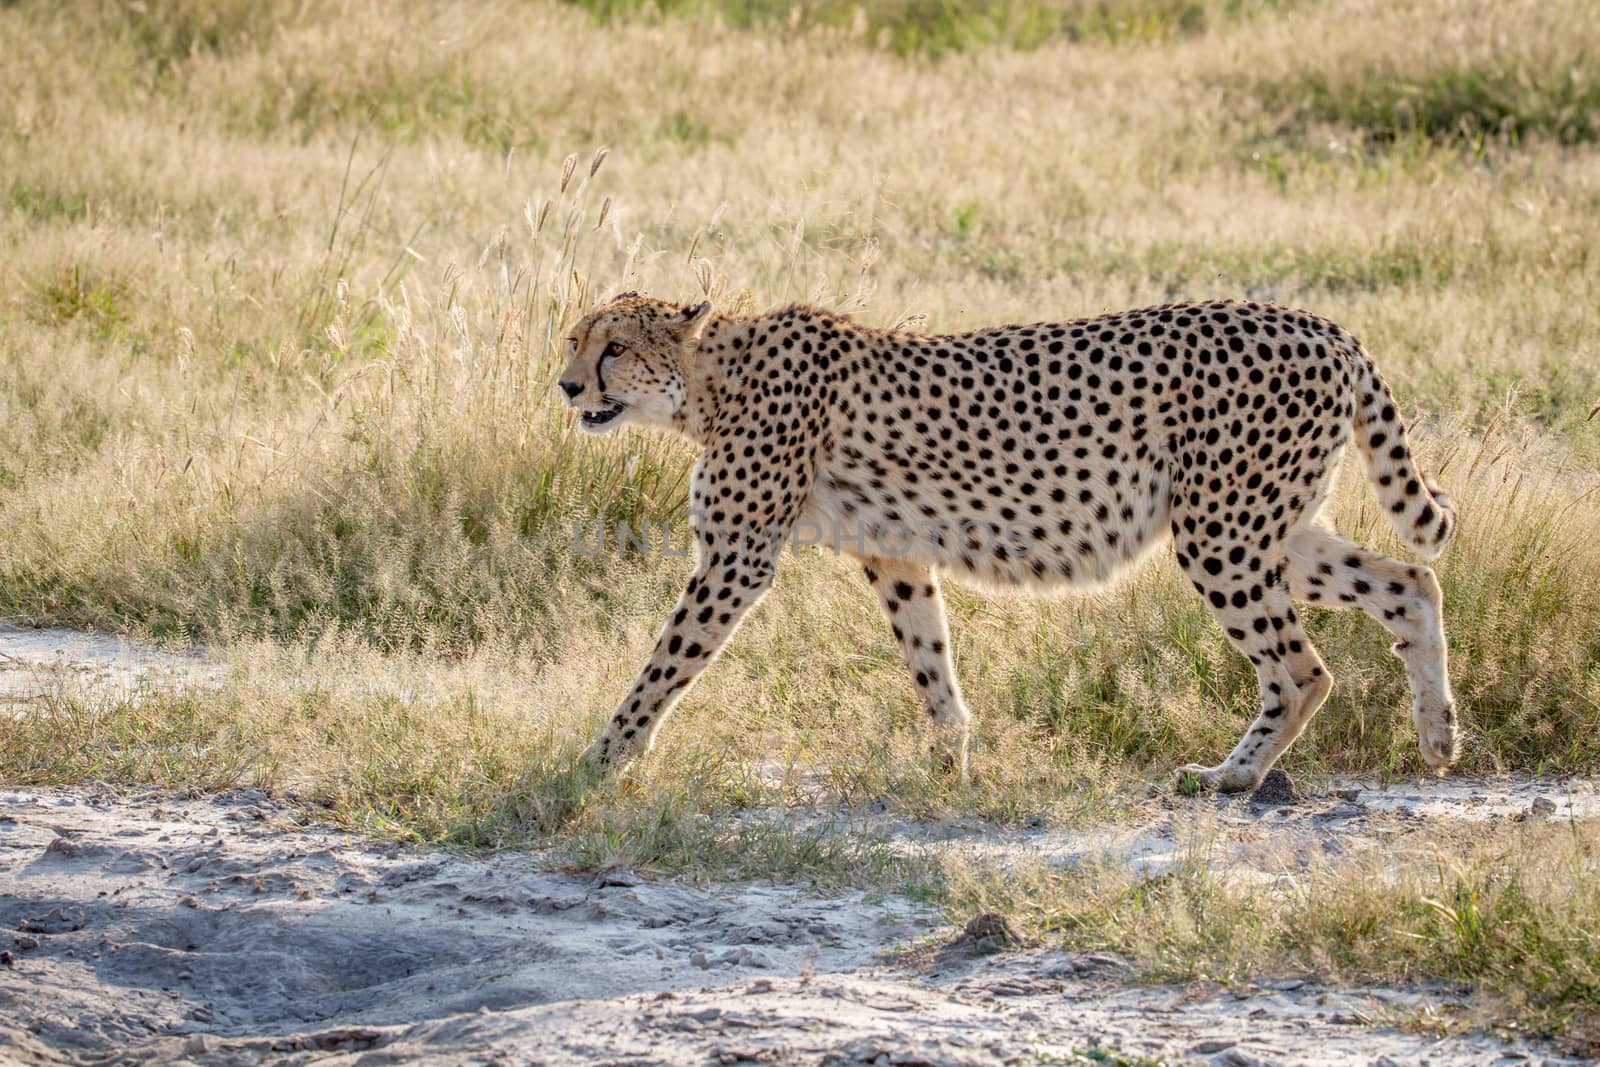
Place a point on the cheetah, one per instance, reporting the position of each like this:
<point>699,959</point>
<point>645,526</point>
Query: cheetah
<point>1050,457</point>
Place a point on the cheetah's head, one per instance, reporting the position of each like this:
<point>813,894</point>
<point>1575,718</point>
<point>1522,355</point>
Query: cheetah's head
<point>626,361</point>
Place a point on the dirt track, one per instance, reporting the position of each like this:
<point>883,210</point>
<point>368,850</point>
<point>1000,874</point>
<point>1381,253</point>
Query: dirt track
<point>160,929</point>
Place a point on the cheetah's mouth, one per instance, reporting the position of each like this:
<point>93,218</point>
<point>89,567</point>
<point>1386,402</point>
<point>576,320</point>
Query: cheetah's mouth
<point>593,420</point>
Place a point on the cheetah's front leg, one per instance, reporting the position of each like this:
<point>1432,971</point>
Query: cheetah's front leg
<point>910,597</point>
<point>726,584</point>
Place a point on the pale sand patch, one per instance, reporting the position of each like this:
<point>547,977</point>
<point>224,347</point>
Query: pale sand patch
<point>39,662</point>
<point>162,929</point>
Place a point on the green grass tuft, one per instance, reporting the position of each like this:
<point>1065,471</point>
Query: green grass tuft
<point>1468,104</point>
<point>937,27</point>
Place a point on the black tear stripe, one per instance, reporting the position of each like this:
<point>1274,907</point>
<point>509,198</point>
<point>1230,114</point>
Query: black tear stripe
<point>599,371</point>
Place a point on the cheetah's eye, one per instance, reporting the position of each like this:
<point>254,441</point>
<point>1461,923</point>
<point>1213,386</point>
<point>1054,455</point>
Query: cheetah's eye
<point>612,351</point>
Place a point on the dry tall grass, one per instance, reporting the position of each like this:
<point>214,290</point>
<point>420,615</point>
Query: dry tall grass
<point>281,285</point>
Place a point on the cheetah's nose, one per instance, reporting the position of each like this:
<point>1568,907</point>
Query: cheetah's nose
<point>572,389</point>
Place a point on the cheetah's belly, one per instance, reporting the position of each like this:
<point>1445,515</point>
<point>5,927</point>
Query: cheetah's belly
<point>1086,539</point>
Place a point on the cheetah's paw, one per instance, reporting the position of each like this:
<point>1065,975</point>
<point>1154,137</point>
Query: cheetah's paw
<point>597,758</point>
<point>1193,779</point>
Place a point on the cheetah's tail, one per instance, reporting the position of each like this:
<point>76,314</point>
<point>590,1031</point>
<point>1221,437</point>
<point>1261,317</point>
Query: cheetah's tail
<point>1419,511</point>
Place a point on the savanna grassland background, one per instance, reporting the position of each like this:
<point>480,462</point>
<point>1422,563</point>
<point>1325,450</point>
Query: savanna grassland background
<point>280,298</point>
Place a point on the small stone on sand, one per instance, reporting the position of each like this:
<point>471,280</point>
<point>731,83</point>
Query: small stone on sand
<point>988,932</point>
<point>1276,789</point>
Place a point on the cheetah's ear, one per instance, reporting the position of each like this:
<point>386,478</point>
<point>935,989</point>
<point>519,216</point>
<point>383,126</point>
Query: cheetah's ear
<point>688,323</point>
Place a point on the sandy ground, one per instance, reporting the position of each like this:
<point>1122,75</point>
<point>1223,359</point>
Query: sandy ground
<point>37,662</point>
<point>219,930</point>
<point>1265,838</point>
<point>142,928</point>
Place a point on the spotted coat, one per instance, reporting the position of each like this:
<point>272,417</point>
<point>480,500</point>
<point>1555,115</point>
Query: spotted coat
<point>1050,457</point>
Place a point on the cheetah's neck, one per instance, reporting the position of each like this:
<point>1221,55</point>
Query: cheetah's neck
<point>710,374</point>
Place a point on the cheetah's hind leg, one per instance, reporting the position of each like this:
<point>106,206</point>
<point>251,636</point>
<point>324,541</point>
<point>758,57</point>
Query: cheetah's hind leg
<point>1255,612</point>
<point>1292,686</point>
<point>1330,571</point>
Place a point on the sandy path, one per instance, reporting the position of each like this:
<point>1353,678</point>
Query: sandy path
<point>1257,840</point>
<point>160,929</point>
<point>37,662</point>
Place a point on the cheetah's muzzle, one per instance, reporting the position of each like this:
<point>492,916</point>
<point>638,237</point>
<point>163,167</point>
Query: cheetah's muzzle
<point>593,420</point>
